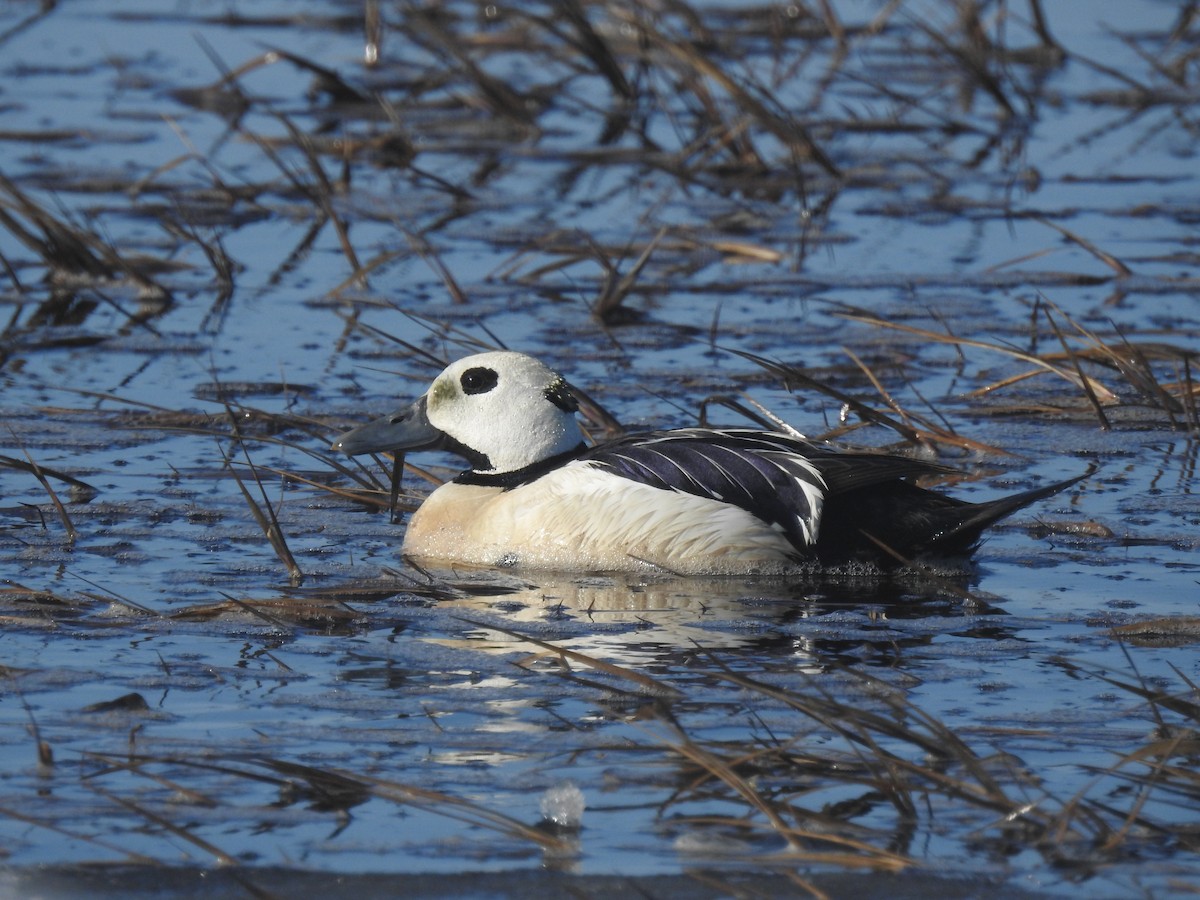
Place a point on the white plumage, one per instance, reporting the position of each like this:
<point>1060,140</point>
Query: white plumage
<point>581,518</point>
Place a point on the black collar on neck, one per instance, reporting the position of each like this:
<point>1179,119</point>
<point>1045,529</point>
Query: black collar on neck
<point>509,480</point>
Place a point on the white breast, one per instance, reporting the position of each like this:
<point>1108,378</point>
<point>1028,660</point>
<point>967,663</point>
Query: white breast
<point>581,518</point>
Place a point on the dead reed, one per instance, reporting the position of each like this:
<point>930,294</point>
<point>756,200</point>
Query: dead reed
<point>43,475</point>
<point>708,137</point>
<point>264,513</point>
<point>862,770</point>
<point>326,789</point>
<point>1142,366</point>
<point>840,771</point>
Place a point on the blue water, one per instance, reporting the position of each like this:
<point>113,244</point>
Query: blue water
<point>931,227</point>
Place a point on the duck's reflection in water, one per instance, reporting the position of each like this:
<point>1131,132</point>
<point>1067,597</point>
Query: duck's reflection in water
<point>640,619</point>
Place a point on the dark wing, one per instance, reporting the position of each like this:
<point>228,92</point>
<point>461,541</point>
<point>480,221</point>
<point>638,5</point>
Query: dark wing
<point>849,471</point>
<point>913,522</point>
<point>767,475</point>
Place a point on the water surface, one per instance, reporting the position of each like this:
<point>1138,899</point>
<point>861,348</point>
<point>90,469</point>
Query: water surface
<point>205,238</point>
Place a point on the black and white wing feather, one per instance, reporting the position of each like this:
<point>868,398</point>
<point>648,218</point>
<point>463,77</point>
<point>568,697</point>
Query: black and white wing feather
<point>765,474</point>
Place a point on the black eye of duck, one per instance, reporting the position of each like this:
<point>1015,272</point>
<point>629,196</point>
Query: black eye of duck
<point>479,380</point>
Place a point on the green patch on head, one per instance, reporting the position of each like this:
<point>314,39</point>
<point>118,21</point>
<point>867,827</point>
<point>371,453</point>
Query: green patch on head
<point>444,390</point>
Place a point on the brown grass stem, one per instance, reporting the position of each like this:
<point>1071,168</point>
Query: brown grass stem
<point>264,513</point>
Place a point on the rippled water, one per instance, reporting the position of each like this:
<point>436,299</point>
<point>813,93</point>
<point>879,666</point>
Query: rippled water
<point>367,719</point>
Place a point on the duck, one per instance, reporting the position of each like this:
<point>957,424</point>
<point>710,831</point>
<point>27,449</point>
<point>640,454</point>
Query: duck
<point>686,501</point>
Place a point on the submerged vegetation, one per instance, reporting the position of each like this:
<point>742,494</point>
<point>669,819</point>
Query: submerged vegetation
<point>952,228</point>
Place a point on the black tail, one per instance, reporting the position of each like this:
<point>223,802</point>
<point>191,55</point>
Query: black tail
<point>965,533</point>
<point>866,523</point>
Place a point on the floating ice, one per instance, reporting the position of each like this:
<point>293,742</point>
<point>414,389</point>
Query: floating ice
<point>563,805</point>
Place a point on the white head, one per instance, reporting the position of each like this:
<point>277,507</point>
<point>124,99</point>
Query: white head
<point>502,411</point>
